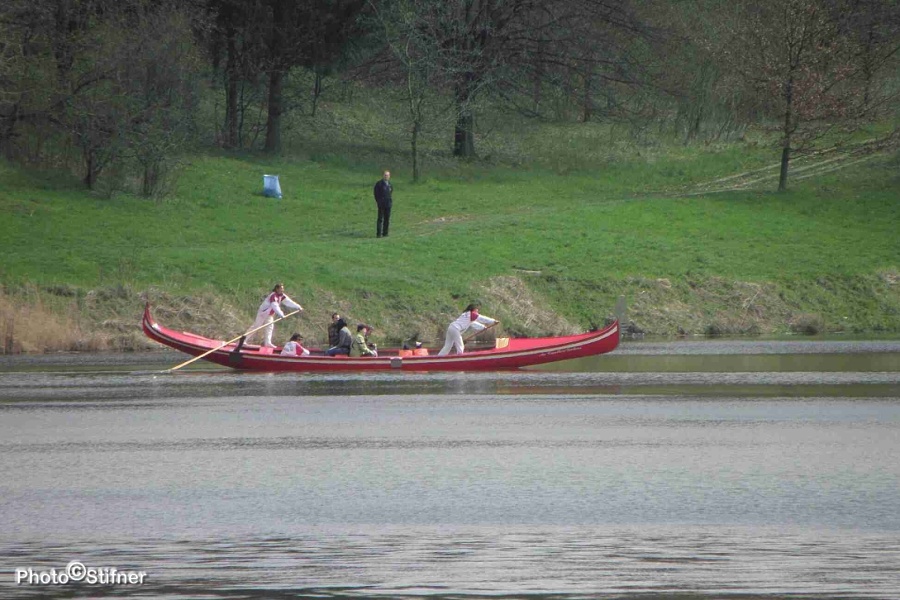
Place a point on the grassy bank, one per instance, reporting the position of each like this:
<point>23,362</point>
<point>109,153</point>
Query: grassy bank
<point>546,247</point>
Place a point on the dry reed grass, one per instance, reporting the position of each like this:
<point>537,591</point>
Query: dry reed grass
<point>28,324</point>
<point>510,296</point>
<point>37,319</point>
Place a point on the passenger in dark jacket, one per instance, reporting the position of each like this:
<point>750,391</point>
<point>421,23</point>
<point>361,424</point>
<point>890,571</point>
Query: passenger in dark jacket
<point>383,192</point>
<point>344,342</point>
<point>334,331</point>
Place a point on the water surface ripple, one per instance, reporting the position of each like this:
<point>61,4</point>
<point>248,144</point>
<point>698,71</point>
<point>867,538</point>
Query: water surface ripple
<point>739,470</point>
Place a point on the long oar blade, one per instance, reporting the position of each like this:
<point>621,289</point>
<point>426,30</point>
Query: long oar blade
<point>482,331</point>
<point>208,352</point>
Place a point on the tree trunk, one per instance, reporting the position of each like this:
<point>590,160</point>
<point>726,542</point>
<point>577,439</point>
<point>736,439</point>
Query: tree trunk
<point>90,175</point>
<point>694,123</point>
<point>273,123</point>
<point>785,160</point>
<point>7,131</point>
<point>231,95</point>
<point>415,150</point>
<point>464,135</point>
<point>587,103</point>
<point>538,82</point>
<point>317,91</point>
<point>868,71</point>
<point>464,142</point>
<point>151,179</point>
<point>788,130</point>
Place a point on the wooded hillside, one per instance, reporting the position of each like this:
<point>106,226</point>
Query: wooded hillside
<point>118,90</point>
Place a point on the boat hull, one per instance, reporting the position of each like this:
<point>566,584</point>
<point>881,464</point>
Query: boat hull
<point>518,353</point>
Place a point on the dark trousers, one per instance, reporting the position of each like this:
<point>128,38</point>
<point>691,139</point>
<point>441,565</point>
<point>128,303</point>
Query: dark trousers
<point>384,219</point>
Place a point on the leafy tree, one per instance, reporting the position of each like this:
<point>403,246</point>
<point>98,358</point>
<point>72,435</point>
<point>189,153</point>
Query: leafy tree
<point>504,46</point>
<point>310,34</point>
<point>38,46</point>
<point>100,76</point>
<point>419,79</point>
<point>164,96</point>
<point>801,67</point>
<point>874,28</point>
<point>141,109</point>
<point>707,96</point>
<point>237,51</point>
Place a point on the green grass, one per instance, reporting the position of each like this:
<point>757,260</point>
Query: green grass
<point>573,213</point>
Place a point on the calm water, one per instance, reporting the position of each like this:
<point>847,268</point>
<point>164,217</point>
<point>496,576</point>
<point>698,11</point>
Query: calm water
<point>673,470</point>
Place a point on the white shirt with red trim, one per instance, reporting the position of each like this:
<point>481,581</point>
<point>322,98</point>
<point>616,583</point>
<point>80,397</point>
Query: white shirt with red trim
<point>471,319</point>
<point>294,349</point>
<point>272,304</point>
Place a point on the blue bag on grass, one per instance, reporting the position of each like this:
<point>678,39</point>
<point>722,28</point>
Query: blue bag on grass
<point>271,187</point>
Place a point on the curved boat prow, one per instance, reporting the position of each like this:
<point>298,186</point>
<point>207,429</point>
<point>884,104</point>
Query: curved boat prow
<point>147,322</point>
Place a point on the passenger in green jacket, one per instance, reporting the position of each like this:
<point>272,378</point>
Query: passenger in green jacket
<point>360,346</point>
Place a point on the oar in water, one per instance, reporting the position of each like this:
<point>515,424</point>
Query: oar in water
<point>208,352</point>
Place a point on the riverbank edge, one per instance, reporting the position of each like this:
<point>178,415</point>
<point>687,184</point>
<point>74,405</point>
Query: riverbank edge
<point>48,318</point>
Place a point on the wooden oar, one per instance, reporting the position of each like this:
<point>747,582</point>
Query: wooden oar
<point>208,352</point>
<point>477,332</point>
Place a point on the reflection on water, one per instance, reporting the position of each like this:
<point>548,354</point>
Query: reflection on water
<point>141,385</point>
<point>755,474</point>
<point>620,562</point>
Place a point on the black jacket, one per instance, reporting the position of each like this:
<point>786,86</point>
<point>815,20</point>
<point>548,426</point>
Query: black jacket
<point>334,334</point>
<point>383,191</point>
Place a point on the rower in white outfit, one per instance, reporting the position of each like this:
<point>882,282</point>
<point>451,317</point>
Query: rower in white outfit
<point>469,318</point>
<point>268,310</point>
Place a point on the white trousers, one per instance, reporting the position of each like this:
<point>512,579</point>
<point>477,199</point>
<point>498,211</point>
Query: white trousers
<point>261,319</point>
<point>454,340</point>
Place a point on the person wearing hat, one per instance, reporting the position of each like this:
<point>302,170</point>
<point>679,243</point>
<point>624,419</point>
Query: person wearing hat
<point>295,347</point>
<point>360,345</point>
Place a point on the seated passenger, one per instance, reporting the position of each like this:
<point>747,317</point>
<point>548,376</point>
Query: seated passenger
<point>294,347</point>
<point>334,332</point>
<point>360,346</point>
<point>345,340</point>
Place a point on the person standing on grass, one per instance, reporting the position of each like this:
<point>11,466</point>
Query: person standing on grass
<point>270,307</point>
<point>469,318</point>
<point>383,193</point>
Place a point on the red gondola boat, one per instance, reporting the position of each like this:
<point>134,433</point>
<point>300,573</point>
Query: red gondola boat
<point>509,353</point>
